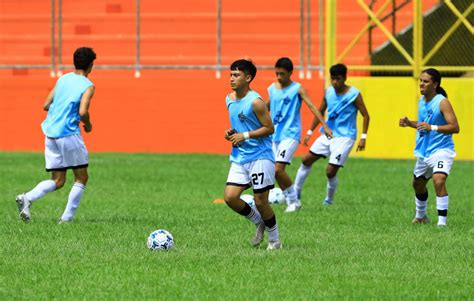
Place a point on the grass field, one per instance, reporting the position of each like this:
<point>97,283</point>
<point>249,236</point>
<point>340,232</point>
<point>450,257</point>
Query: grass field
<point>362,247</point>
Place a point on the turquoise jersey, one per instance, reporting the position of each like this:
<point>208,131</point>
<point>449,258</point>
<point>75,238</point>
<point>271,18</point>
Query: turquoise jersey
<point>285,106</point>
<point>428,142</point>
<point>342,112</point>
<point>243,119</point>
<point>63,114</point>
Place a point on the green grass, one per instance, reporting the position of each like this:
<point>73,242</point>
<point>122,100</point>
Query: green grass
<point>362,247</point>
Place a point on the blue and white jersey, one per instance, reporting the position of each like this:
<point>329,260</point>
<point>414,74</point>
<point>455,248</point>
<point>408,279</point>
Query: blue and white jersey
<point>63,114</point>
<point>428,142</point>
<point>243,119</point>
<point>342,112</point>
<point>285,106</point>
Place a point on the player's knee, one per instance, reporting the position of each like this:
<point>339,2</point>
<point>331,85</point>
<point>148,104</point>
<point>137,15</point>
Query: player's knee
<point>82,179</point>
<point>439,182</point>
<point>419,185</point>
<point>279,172</point>
<point>59,183</point>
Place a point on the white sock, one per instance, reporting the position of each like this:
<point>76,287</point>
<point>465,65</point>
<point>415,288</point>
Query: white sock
<point>73,201</point>
<point>420,208</point>
<point>40,190</point>
<point>331,188</point>
<point>442,203</point>
<point>273,233</point>
<point>301,175</point>
<point>290,194</point>
<point>254,216</point>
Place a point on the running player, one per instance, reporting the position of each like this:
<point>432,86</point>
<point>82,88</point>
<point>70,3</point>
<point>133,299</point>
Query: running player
<point>285,98</point>
<point>252,160</point>
<point>434,148</point>
<point>67,105</point>
<point>342,103</point>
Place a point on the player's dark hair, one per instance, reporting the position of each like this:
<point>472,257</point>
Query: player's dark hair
<point>338,69</point>
<point>436,77</point>
<point>246,66</point>
<point>284,63</point>
<point>83,58</point>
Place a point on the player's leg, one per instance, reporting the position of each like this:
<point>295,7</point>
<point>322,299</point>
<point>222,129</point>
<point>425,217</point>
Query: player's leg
<point>421,175</point>
<point>340,148</point>
<point>81,177</point>
<point>441,168</point>
<point>262,173</point>
<point>319,149</point>
<point>237,181</point>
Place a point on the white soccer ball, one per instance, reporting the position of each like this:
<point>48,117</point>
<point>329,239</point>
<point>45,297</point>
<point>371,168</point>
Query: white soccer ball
<point>160,240</point>
<point>276,196</point>
<point>248,198</point>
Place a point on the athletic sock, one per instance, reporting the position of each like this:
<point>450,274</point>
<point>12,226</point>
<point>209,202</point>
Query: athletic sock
<point>442,203</point>
<point>252,214</point>
<point>301,175</point>
<point>272,229</point>
<point>421,202</point>
<point>40,190</point>
<point>73,201</point>
<point>290,194</point>
<point>331,188</point>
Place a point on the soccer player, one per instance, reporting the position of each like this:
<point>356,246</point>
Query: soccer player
<point>67,105</point>
<point>342,103</point>
<point>434,148</point>
<point>285,98</point>
<point>252,160</point>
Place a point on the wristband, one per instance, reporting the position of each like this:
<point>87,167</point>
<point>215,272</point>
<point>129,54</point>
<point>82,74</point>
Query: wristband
<point>434,128</point>
<point>309,132</point>
<point>363,136</point>
<point>246,135</point>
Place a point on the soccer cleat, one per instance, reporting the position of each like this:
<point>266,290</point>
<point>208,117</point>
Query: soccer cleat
<point>442,226</point>
<point>259,233</point>
<point>274,245</point>
<point>423,220</point>
<point>295,206</point>
<point>23,207</point>
<point>61,221</point>
<point>327,202</point>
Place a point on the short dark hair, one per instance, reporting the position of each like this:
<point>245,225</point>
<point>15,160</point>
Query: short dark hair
<point>436,77</point>
<point>338,69</point>
<point>246,66</point>
<point>284,63</point>
<point>83,58</point>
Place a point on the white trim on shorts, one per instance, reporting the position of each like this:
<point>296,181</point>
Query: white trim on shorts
<point>284,150</point>
<point>439,162</point>
<point>258,174</point>
<point>65,153</point>
<point>336,148</point>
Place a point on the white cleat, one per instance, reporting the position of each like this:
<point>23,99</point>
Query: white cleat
<point>23,207</point>
<point>61,221</point>
<point>274,245</point>
<point>259,233</point>
<point>293,207</point>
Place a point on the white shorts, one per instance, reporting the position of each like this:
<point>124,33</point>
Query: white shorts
<point>336,148</point>
<point>284,150</point>
<point>439,162</point>
<point>66,152</point>
<point>258,174</point>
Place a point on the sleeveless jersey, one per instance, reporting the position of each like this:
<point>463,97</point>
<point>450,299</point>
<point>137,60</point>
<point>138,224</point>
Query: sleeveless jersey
<point>428,142</point>
<point>63,114</point>
<point>342,112</point>
<point>243,119</point>
<point>285,106</point>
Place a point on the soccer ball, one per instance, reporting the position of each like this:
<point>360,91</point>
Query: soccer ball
<point>248,198</point>
<point>160,240</point>
<point>276,196</point>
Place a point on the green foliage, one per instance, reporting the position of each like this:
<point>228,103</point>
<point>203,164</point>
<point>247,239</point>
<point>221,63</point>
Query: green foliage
<point>362,247</point>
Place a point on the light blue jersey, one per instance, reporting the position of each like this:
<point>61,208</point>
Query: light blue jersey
<point>285,106</point>
<point>63,114</point>
<point>342,112</point>
<point>428,142</point>
<point>243,119</point>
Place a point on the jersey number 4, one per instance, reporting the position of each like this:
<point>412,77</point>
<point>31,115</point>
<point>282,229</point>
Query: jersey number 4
<point>282,154</point>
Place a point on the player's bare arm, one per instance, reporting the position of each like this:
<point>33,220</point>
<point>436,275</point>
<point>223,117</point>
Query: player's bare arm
<point>84,108</point>
<point>405,122</point>
<point>49,100</point>
<point>359,103</point>
<point>263,115</point>
<point>452,126</point>
<point>317,114</point>
<point>315,122</point>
